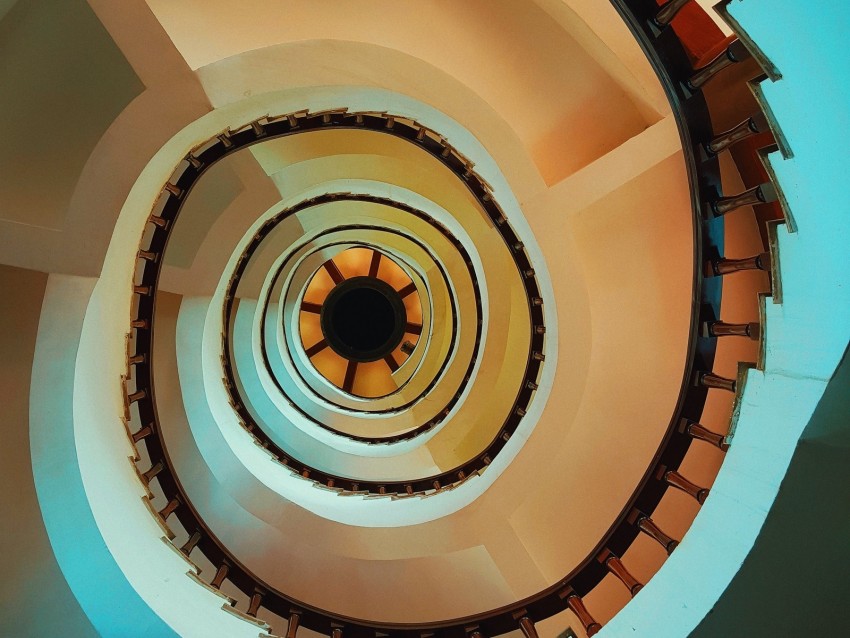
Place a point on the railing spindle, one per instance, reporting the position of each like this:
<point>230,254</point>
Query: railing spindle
<point>614,565</point>
<point>190,544</point>
<point>259,129</point>
<point>137,358</point>
<point>648,527</point>
<point>761,194</point>
<point>719,267</point>
<point>220,575</point>
<point>752,330</point>
<point>678,481</point>
<point>147,255</point>
<point>576,605</point>
<point>526,626</point>
<point>166,511</point>
<point>143,432</point>
<point>254,605</point>
<point>151,473</point>
<point>711,380</point>
<point>292,627</point>
<point>668,11</point>
<point>734,53</point>
<point>194,161</point>
<point>701,433</point>
<point>749,127</point>
<point>137,396</point>
<point>173,190</point>
<point>225,140</point>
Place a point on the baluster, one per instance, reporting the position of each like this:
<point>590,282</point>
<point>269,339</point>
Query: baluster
<point>156,220</point>
<point>761,194</point>
<point>336,632</point>
<point>702,433</point>
<point>194,161</point>
<point>254,605</point>
<point>166,511</point>
<point>648,526</point>
<point>577,606</point>
<point>173,189</point>
<point>728,266</point>
<point>734,53</point>
<point>142,290</point>
<point>143,432</point>
<point>225,140</point>
<point>140,324</point>
<point>749,127</point>
<point>711,380</point>
<point>292,628</point>
<point>616,567</point>
<point>668,11</point>
<point>678,481</point>
<point>137,396</point>
<point>723,329</point>
<point>259,129</point>
<point>151,473</point>
<point>147,255</point>
<point>220,575</point>
<point>526,626</point>
<point>190,544</point>
<point>136,359</point>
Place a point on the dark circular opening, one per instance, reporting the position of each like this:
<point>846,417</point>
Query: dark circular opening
<point>363,319</point>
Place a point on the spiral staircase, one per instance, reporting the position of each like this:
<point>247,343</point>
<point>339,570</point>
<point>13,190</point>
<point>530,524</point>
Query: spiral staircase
<point>424,319</point>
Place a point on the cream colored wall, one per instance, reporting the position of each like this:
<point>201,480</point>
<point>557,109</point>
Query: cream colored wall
<point>513,55</point>
<point>32,574</point>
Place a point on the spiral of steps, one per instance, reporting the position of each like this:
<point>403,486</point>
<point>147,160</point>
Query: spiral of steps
<point>446,320</point>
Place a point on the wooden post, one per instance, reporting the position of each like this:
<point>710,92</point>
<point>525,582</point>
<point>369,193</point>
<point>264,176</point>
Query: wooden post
<point>190,544</point>
<point>734,53</point>
<point>220,575</point>
<point>647,526</point>
<point>678,481</point>
<point>292,628</point>
<point>576,605</point>
<point>749,127</point>
<point>668,11</point>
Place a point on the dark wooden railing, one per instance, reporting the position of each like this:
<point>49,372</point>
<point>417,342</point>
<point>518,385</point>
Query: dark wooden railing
<point>440,414</point>
<point>683,85</point>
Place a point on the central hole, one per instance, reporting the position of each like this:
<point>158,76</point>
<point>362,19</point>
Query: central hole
<point>363,319</point>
